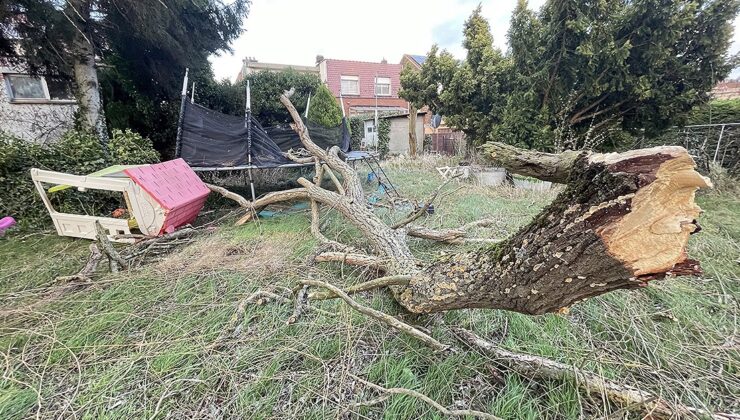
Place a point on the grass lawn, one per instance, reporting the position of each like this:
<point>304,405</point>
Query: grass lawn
<point>138,344</point>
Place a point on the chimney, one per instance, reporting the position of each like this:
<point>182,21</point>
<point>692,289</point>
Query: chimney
<point>319,58</point>
<point>383,61</point>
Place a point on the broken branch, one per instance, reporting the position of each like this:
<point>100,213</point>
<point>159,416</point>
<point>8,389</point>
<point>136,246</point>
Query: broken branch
<point>364,287</point>
<point>380,316</point>
<point>537,367</point>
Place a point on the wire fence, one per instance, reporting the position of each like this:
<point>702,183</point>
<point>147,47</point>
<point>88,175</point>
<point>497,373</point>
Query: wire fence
<point>707,143</point>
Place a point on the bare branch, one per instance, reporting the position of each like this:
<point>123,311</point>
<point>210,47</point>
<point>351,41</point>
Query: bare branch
<point>537,367</point>
<point>400,280</point>
<point>411,393</point>
<point>423,209</point>
<point>351,258</point>
<point>115,258</point>
<point>380,316</point>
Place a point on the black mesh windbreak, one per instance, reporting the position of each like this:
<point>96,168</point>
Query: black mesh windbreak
<point>213,139</point>
<point>286,138</point>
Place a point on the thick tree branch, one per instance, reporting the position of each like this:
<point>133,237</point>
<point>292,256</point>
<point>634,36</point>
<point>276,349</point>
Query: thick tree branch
<point>545,166</point>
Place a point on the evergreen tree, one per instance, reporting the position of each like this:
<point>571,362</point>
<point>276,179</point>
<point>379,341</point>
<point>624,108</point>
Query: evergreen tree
<point>578,72</point>
<point>324,109</point>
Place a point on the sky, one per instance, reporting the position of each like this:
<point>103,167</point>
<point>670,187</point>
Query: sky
<point>295,31</point>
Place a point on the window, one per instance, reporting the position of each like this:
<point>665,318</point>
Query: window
<point>383,86</point>
<point>350,85</point>
<point>59,90</point>
<point>22,87</point>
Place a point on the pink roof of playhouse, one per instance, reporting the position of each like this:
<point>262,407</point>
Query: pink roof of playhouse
<point>175,187</point>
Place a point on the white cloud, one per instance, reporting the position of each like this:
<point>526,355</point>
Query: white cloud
<point>294,32</point>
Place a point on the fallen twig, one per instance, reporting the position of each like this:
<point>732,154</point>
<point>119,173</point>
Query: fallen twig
<point>380,316</point>
<point>400,280</point>
<point>423,209</point>
<point>301,303</point>
<point>411,393</point>
<point>85,274</point>
<point>538,367</point>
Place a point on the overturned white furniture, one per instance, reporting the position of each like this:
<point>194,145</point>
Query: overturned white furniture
<point>159,198</point>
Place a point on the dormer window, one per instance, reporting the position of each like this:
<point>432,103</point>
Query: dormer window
<point>383,86</point>
<point>350,85</point>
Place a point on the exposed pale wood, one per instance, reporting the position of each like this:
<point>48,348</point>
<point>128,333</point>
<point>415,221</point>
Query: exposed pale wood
<point>651,237</point>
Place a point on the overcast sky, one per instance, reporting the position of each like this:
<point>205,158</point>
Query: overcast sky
<point>295,31</point>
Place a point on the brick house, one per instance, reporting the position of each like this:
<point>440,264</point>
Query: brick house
<point>364,85</point>
<point>728,89</point>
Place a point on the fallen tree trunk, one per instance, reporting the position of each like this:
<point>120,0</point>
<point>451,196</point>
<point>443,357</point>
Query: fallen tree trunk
<point>621,221</point>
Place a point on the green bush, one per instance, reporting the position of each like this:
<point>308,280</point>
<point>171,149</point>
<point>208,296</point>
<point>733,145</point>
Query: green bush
<point>357,131</point>
<point>76,153</point>
<point>384,136</point>
<point>721,111</point>
<point>129,148</point>
<point>324,109</point>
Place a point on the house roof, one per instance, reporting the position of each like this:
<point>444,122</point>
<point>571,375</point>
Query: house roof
<point>256,65</point>
<point>399,115</point>
<point>420,59</point>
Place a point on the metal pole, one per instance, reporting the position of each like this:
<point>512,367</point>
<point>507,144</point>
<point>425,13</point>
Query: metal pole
<point>377,139</point>
<point>248,124</point>
<point>192,94</point>
<point>719,141</point>
<point>184,98</point>
<point>308,104</point>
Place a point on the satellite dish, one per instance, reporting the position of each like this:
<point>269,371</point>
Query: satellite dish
<point>436,120</point>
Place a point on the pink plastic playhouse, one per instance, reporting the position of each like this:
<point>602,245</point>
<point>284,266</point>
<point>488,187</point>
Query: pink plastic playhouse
<point>159,198</point>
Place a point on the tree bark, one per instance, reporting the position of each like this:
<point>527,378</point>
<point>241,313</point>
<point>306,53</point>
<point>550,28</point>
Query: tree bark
<point>85,74</point>
<point>621,221</point>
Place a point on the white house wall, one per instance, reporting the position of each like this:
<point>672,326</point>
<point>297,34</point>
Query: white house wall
<point>399,135</point>
<point>35,122</point>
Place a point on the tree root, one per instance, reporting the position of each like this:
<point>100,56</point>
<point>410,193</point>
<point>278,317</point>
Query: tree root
<point>537,367</point>
<point>380,316</point>
<point>411,393</point>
